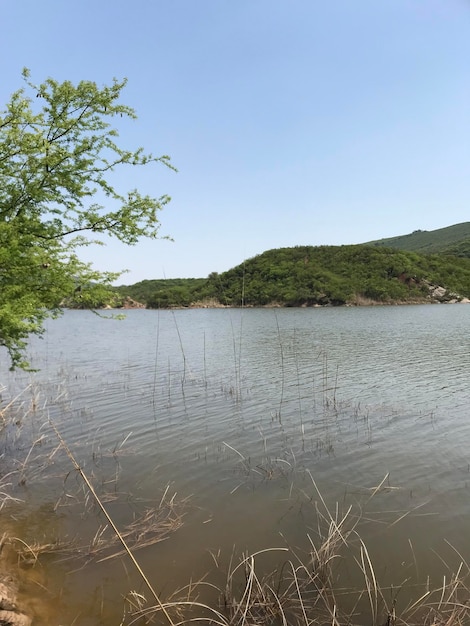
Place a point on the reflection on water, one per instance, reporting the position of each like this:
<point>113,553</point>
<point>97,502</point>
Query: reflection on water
<point>245,411</point>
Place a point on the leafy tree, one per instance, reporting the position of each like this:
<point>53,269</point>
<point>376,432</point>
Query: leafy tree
<point>58,152</point>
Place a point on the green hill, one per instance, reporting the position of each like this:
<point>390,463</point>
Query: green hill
<point>323,275</point>
<point>163,293</point>
<point>336,275</point>
<point>452,240</point>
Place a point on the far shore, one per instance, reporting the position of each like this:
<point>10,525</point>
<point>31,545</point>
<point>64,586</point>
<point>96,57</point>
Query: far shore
<point>358,302</point>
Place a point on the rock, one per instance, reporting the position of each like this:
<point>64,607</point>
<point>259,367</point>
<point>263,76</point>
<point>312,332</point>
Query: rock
<point>11,618</point>
<point>129,303</point>
<point>439,292</point>
<point>10,615</point>
<point>8,595</point>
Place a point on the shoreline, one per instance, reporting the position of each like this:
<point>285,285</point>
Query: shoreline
<point>360,302</point>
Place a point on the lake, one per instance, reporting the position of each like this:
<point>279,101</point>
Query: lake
<point>257,420</point>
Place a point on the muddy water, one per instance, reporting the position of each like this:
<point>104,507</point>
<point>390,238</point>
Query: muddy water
<point>256,416</point>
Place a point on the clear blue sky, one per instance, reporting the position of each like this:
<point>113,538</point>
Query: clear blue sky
<point>291,122</point>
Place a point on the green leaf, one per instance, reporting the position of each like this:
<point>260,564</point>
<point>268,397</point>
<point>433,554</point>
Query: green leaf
<point>58,147</point>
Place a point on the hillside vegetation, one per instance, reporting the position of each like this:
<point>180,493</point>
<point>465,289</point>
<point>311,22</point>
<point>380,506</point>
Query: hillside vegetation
<point>164,293</point>
<point>323,275</point>
<point>452,240</point>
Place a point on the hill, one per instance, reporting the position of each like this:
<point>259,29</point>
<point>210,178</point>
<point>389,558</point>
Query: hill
<point>163,293</point>
<point>452,240</point>
<point>323,275</point>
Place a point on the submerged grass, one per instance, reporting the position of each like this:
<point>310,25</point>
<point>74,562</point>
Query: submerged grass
<point>155,524</point>
<point>305,589</point>
<point>277,586</point>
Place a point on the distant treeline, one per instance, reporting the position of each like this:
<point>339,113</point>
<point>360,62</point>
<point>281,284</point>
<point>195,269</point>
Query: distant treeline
<point>164,293</point>
<point>308,276</point>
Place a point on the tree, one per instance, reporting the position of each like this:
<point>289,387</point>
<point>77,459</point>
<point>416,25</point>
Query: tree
<point>58,152</point>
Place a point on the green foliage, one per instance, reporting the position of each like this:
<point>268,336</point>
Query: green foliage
<point>308,276</point>
<point>58,151</point>
<point>164,293</point>
<point>452,240</point>
<point>460,249</point>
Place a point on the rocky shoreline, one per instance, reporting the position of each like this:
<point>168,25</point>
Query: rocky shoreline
<point>358,302</point>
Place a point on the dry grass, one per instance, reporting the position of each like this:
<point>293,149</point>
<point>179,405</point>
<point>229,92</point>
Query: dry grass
<point>279,586</point>
<point>156,523</point>
<point>305,588</point>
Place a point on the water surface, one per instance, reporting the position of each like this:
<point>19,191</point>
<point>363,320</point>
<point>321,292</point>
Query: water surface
<point>244,410</point>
